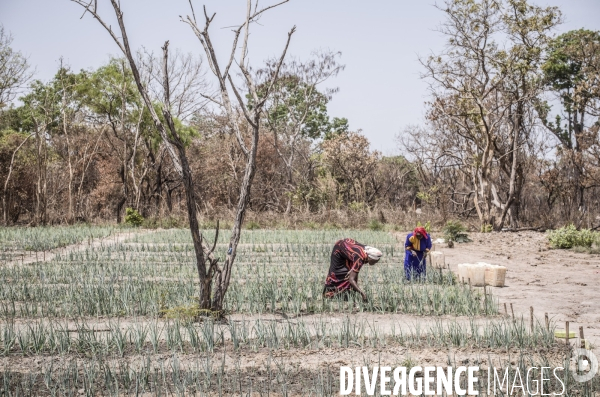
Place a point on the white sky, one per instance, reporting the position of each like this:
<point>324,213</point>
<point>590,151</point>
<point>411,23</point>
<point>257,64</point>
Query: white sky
<point>380,40</point>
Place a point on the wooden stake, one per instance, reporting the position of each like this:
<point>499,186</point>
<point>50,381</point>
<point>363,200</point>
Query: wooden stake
<point>581,337</point>
<point>512,311</point>
<point>470,286</point>
<point>484,299</point>
<point>505,310</point>
<point>567,333</point>
<point>531,318</point>
<point>547,322</point>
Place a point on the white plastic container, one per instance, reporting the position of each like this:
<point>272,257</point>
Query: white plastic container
<point>481,274</point>
<point>495,275</point>
<point>476,273</point>
<point>438,260</point>
<point>462,272</point>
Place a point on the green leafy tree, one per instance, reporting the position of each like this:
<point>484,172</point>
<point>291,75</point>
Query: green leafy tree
<point>296,111</point>
<point>572,72</point>
<point>337,126</point>
<point>112,97</point>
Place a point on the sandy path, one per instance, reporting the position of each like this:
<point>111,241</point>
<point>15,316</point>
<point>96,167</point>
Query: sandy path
<point>307,359</point>
<point>373,323</point>
<point>48,256</point>
<point>562,283</point>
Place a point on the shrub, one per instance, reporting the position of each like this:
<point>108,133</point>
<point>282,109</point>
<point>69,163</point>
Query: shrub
<point>455,231</point>
<point>133,218</point>
<point>427,226</point>
<point>252,225</point>
<point>376,225</point>
<point>312,225</point>
<point>150,223</point>
<point>356,206</point>
<point>487,228</point>
<point>569,237</point>
<point>186,313</point>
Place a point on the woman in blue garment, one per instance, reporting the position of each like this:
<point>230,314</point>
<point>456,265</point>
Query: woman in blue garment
<point>418,244</point>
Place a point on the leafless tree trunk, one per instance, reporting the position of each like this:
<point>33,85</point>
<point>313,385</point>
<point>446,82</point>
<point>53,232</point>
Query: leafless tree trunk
<point>86,161</point>
<point>170,137</point>
<point>41,187</point>
<point>14,70</point>
<point>63,111</point>
<point>252,116</point>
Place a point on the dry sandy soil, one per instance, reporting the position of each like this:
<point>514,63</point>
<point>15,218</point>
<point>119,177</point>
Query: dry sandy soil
<point>562,283</point>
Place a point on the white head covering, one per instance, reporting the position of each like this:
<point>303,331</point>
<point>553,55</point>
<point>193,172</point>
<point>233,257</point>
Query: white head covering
<point>373,252</point>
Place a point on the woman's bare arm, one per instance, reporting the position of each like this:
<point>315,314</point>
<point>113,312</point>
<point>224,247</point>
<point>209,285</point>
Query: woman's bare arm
<point>352,280</point>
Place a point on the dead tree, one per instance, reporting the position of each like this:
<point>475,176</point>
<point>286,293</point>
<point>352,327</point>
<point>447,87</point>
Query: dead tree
<point>14,70</point>
<point>252,116</point>
<point>170,139</point>
<point>206,263</point>
<point>482,95</point>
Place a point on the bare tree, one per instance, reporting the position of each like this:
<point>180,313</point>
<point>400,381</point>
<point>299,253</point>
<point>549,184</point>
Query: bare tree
<point>483,91</point>
<point>240,116</point>
<point>206,264</point>
<point>66,89</point>
<point>14,69</point>
<point>187,81</point>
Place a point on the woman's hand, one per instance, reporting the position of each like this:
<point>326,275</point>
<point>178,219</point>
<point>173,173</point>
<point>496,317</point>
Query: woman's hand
<point>364,296</point>
<point>414,253</point>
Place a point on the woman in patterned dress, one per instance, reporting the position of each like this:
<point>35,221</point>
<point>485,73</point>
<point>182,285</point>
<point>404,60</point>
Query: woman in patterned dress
<point>347,258</point>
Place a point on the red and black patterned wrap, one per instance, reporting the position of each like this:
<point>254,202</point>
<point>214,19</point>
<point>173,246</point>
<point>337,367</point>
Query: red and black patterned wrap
<point>347,255</point>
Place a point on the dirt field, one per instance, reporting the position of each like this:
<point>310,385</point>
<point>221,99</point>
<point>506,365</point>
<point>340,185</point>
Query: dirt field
<point>562,283</point>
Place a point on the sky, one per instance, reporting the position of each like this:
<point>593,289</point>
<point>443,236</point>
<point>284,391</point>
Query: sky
<point>380,90</point>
